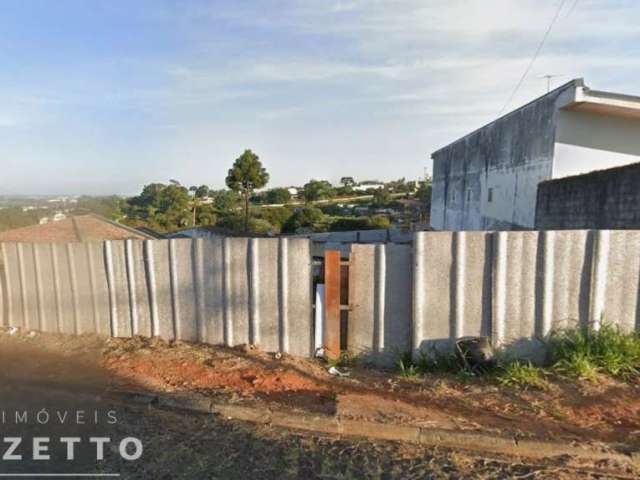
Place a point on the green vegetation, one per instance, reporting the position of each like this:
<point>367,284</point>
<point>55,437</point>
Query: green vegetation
<point>16,217</point>
<point>242,207</point>
<point>277,196</point>
<point>581,354</point>
<point>345,360</point>
<point>247,175</point>
<point>523,375</point>
<point>315,190</point>
<point>307,217</point>
<point>381,198</point>
<point>161,207</point>
<point>109,206</point>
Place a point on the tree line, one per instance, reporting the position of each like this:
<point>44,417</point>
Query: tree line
<point>242,207</point>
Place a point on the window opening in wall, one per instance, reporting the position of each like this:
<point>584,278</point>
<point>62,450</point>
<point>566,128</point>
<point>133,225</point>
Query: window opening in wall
<point>490,195</point>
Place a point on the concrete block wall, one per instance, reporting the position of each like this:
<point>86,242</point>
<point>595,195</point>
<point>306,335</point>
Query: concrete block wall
<point>604,199</point>
<point>227,291</point>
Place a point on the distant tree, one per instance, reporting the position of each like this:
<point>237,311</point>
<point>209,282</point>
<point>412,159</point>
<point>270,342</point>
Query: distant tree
<point>206,215</point>
<point>173,204</point>
<point>224,201</point>
<point>277,195</point>
<point>276,216</point>
<point>108,206</point>
<point>397,186</point>
<point>379,222</point>
<point>198,194</point>
<point>165,207</point>
<point>305,217</point>
<point>424,193</point>
<point>381,197</point>
<point>246,175</point>
<point>16,217</point>
<point>317,190</point>
<point>359,223</point>
<point>347,181</point>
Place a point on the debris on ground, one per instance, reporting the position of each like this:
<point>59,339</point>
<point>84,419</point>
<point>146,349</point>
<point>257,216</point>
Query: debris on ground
<point>337,373</point>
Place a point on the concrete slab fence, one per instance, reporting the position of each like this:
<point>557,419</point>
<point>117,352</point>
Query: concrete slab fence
<point>514,287</point>
<point>227,291</point>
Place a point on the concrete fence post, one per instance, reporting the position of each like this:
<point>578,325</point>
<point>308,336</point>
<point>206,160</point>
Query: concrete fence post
<point>283,289</point>
<point>113,306</point>
<point>459,279</point>
<point>547,282</point>
<point>599,277</point>
<point>418,292</point>
<point>380,274</point>
<point>499,287</point>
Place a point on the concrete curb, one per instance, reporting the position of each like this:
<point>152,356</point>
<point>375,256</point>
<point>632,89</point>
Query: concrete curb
<point>470,441</point>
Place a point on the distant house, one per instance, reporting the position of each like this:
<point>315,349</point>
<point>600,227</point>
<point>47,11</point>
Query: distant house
<point>293,191</point>
<point>489,178</point>
<point>364,186</point>
<point>81,228</point>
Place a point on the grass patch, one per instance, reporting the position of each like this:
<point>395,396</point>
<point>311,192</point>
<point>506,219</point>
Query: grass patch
<point>435,361</point>
<point>585,352</point>
<point>523,375</point>
<point>582,354</point>
<point>406,366</point>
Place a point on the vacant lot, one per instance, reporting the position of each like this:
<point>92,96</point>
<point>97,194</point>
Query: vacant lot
<point>606,410</point>
<point>56,371</point>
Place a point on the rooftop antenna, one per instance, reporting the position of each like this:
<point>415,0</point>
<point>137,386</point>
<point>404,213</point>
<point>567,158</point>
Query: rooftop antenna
<point>549,77</point>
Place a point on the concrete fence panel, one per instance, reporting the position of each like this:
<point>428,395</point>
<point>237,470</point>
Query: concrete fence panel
<point>622,280</point>
<point>221,291</point>
<point>515,287</point>
<point>161,300</point>
<point>210,290</point>
<point>380,301</point>
<point>296,296</point>
<point>518,287</point>
<point>452,287</point>
<point>99,287</point>
<point>569,260</point>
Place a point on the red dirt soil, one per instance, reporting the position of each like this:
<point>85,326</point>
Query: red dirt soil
<point>607,411</point>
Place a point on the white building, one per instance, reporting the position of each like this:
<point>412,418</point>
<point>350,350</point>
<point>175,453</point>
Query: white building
<point>488,179</point>
<point>367,186</point>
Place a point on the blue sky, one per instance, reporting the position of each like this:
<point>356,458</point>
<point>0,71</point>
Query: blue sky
<point>104,96</point>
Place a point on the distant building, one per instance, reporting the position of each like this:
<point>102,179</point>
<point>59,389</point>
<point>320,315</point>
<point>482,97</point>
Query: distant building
<point>489,178</point>
<point>363,187</point>
<point>293,191</point>
<point>81,228</point>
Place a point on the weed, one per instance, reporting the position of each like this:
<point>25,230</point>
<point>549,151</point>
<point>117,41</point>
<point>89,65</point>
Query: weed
<point>439,361</point>
<point>577,365</point>
<point>344,360</point>
<point>584,352</point>
<point>406,366</point>
<point>522,374</point>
